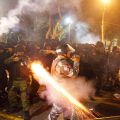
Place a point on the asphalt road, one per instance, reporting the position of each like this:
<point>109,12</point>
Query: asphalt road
<point>105,106</point>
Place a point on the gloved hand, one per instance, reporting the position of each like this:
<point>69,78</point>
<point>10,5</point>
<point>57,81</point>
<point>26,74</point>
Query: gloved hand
<point>15,59</point>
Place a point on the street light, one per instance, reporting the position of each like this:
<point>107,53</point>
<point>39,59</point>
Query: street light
<point>105,2</point>
<point>69,21</point>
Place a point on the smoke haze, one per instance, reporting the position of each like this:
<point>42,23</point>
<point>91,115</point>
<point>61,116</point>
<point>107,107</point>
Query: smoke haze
<point>79,88</point>
<point>13,17</point>
<point>83,35</point>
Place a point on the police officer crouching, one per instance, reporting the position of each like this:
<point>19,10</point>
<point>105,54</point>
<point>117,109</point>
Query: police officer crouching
<point>20,77</point>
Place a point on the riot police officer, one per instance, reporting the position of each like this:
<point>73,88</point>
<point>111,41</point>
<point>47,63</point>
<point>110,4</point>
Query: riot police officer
<point>63,67</point>
<point>20,77</point>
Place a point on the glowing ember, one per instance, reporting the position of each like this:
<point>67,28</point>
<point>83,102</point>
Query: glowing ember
<point>40,72</point>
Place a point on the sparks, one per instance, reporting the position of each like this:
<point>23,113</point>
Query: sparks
<point>40,72</point>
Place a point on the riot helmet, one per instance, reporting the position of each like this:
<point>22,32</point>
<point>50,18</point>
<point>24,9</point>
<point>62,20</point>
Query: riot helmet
<point>62,49</point>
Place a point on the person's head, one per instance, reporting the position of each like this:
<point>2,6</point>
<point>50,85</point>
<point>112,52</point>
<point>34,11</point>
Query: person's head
<point>99,44</point>
<point>62,50</point>
<point>115,49</point>
<point>1,50</point>
<point>20,50</point>
<point>100,47</point>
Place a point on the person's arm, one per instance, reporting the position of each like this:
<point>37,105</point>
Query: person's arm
<point>76,65</point>
<point>11,59</point>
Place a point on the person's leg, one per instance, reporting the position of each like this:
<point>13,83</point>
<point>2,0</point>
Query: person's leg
<point>12,98</point>
<point>70,114</point>
<point>24,99</point>
<point>55,112</point>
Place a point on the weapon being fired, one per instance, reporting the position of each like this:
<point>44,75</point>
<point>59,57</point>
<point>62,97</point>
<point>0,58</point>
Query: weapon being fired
<point>41,73</point>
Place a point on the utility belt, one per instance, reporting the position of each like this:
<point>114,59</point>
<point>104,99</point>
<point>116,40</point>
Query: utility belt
<point>20,79</point>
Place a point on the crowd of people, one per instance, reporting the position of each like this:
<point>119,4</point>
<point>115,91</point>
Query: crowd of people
<point>16,78</point>
<point>101,65</point>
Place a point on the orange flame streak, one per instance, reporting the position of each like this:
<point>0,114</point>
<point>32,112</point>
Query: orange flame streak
<point>40,72</point>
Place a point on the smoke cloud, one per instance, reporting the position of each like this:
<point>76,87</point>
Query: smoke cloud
<point>79,88</point>
<point>13,18</point>
<point>83,35</point>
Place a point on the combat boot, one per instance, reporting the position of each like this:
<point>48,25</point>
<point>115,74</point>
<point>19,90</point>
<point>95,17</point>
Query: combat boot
<point>26,115</point>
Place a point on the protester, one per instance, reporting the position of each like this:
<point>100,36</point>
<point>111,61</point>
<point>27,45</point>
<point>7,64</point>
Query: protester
<point>63,69</point>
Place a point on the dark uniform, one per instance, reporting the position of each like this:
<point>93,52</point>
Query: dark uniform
<point>62,68</point>
<point>3,75</point>
<point>20,77</point>
<point>3,79</point>
<point>114,66</point>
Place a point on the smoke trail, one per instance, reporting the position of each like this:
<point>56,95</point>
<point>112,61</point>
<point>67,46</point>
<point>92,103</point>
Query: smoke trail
<point>59,91</point>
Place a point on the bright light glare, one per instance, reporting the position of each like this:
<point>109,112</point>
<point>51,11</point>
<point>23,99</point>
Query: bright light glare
<point>106,1</point>
<point>68,20</point>
<point>40,72</point>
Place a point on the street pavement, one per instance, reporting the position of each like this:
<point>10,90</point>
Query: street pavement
<point>105,106</point>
